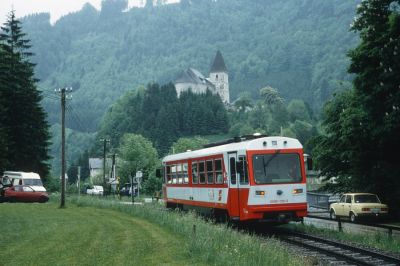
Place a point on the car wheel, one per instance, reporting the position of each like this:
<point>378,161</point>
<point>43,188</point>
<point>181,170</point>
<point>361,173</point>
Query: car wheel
<point>332,215</point>
<point>43,199</point>
<point>353,217</point>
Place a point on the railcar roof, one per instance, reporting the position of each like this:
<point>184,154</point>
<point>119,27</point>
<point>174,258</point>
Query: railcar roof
<point>264,143</point>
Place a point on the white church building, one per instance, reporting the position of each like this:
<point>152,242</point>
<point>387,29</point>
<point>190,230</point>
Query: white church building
<point>217,82</point>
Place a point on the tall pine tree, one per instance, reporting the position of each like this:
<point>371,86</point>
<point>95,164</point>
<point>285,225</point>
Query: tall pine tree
<point>3,134</point>
<point>24,120</point>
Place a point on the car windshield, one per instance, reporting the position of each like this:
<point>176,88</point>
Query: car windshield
<point>276,168</point>
<point>33,182</point>
<point>366,199</point>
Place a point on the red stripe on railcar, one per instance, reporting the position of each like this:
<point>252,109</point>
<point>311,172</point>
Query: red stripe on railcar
<point>198,203</point>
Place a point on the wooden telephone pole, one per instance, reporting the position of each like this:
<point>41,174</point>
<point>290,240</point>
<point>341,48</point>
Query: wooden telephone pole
<point>62,204</point>
<point>104,163</point>
<point>63,98</point>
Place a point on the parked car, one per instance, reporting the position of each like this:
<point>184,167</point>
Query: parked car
<point>126,189</point>
<point>357,206</point>
<point>96,190</point>
<point>24,193</point>
<point>24,178</point>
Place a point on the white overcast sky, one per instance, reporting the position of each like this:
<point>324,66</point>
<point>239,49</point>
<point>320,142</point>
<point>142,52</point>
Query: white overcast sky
<point>56,8</point>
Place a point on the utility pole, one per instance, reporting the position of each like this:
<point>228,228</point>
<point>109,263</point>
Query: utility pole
<point>62,204</point>
<point>104,161</point>
<point>79,180</point>
<point>132,191</point>
<point>113,172</point>
<point>63,92</point>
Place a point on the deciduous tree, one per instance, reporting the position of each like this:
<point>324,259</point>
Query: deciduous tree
<point>184,144</point>
<point>363,126</point>
<point>136,153</point>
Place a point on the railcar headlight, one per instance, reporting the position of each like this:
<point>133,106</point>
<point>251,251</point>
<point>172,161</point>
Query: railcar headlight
<point>297,191</point>
<point>260,192</point>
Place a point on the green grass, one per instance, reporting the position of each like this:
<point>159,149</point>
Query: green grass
<point>93,231</point>
<point>43,234</point>
<point>378,240</point>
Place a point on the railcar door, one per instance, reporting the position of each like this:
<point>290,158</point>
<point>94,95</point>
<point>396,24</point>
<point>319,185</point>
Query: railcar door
<point>234,195</point>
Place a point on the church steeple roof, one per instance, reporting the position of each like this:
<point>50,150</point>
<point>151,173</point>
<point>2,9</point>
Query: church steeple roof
<point>219,64</point>
<point>193,76</point>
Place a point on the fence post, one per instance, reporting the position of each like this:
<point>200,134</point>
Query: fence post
<point>340,225</point>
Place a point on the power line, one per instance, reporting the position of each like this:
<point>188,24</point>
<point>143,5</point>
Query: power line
<point>76,118</point>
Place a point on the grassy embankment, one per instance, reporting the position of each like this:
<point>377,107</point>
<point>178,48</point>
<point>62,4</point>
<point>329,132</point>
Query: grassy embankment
<point>92,231</point>
<point>379,240</point>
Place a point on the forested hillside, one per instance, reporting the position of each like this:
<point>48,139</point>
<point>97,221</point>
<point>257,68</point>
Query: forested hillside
<point>159,115</point>
<point>296,46</point>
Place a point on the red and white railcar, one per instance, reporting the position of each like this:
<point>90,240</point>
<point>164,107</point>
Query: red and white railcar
<point>257,179</point>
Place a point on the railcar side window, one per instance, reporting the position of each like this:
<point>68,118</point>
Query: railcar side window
<point>202,173</point>
<point>242,170</point>
<point>179,173</point>
<point>185,173</point>
<point>174,174</point>
<point>195,173</point>
<point>168,177</point>
<point>232,166</point>
<point>210,172</point>
<point>218,171</point>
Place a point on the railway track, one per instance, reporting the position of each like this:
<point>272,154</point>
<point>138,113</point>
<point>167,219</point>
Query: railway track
<point>336,253</point>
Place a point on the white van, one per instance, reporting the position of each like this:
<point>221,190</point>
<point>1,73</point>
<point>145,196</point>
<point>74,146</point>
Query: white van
<point>23,178</point>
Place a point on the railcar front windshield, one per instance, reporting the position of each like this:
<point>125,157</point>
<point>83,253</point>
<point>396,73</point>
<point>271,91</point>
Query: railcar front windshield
<point>276,168</point>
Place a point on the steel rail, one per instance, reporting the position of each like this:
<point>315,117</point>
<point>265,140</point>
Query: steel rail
<point>352,254</point>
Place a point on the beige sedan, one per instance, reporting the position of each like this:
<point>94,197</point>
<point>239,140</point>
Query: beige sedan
<point>358,205</point>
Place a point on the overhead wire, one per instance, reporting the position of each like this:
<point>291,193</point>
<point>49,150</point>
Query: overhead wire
<point>75,116</point>
<point>53,95</point>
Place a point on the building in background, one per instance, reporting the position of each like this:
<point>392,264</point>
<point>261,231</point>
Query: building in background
<point>95,166</point>
<point>217,82</point>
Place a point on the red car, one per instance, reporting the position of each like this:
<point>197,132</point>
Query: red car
<point>24,194</point>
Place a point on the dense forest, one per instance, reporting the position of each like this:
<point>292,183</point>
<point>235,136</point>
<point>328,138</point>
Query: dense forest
<point>298,47</point>
<point>159,115</point>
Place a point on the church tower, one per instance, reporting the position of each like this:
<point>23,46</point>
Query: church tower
<point>219,77</point>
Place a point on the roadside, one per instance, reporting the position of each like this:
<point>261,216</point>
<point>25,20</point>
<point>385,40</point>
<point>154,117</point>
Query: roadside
<point>377,238</point>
